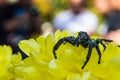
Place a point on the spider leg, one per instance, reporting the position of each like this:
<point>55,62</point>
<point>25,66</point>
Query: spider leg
<point>88,56</point>
<point>71,40</point>
<point>57,46</point>
<point>99,53</point>
<point>77,45</point>
<point>107,40</point>
<point>100,41</point>
<point>103,46</point>
<point>118,45</point>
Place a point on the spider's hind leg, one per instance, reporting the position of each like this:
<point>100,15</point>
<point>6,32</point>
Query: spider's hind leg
<point>105,40</point>
<point>103,46</point>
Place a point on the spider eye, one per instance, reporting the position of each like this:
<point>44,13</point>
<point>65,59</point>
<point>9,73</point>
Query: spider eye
<point>80,35</point>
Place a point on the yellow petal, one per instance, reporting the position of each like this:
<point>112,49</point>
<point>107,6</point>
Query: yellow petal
<point>111,51</point>
<point>74,77</point>
<point>59,34</point>
<point>29,46</point>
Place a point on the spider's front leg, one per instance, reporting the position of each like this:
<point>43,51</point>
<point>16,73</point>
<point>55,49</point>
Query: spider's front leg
<point>70,39</point>
<point>88,55</point>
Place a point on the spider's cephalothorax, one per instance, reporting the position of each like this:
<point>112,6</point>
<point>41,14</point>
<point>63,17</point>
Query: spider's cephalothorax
<point>84,40</point>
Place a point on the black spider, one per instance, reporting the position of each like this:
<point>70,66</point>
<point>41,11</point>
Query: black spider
<point>84,40</point>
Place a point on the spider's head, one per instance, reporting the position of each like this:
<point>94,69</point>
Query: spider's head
<point>82,37</point>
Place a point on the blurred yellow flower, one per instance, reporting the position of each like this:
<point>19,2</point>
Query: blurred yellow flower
<point>41,65</point>
<point>43,5</point>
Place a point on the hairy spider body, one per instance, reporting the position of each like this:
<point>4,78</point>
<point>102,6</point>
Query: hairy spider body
<point>84,40</point>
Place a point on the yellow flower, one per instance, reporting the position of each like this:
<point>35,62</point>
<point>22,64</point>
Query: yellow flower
<point>43,5</point>
<point>41,65</point>
<point>5,62</point>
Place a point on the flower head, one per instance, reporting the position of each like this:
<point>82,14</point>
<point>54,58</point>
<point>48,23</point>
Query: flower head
<point>41,65</point>
<point>5,62</point>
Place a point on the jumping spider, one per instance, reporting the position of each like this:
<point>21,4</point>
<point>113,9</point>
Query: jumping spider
<point>84,40</point>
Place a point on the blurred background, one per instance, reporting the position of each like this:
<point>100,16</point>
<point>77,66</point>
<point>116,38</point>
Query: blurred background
<point>23,19</point>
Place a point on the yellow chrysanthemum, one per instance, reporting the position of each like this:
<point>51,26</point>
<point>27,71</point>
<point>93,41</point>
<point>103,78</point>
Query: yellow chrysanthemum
<point>41,65</point>
<point>5,62</point>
